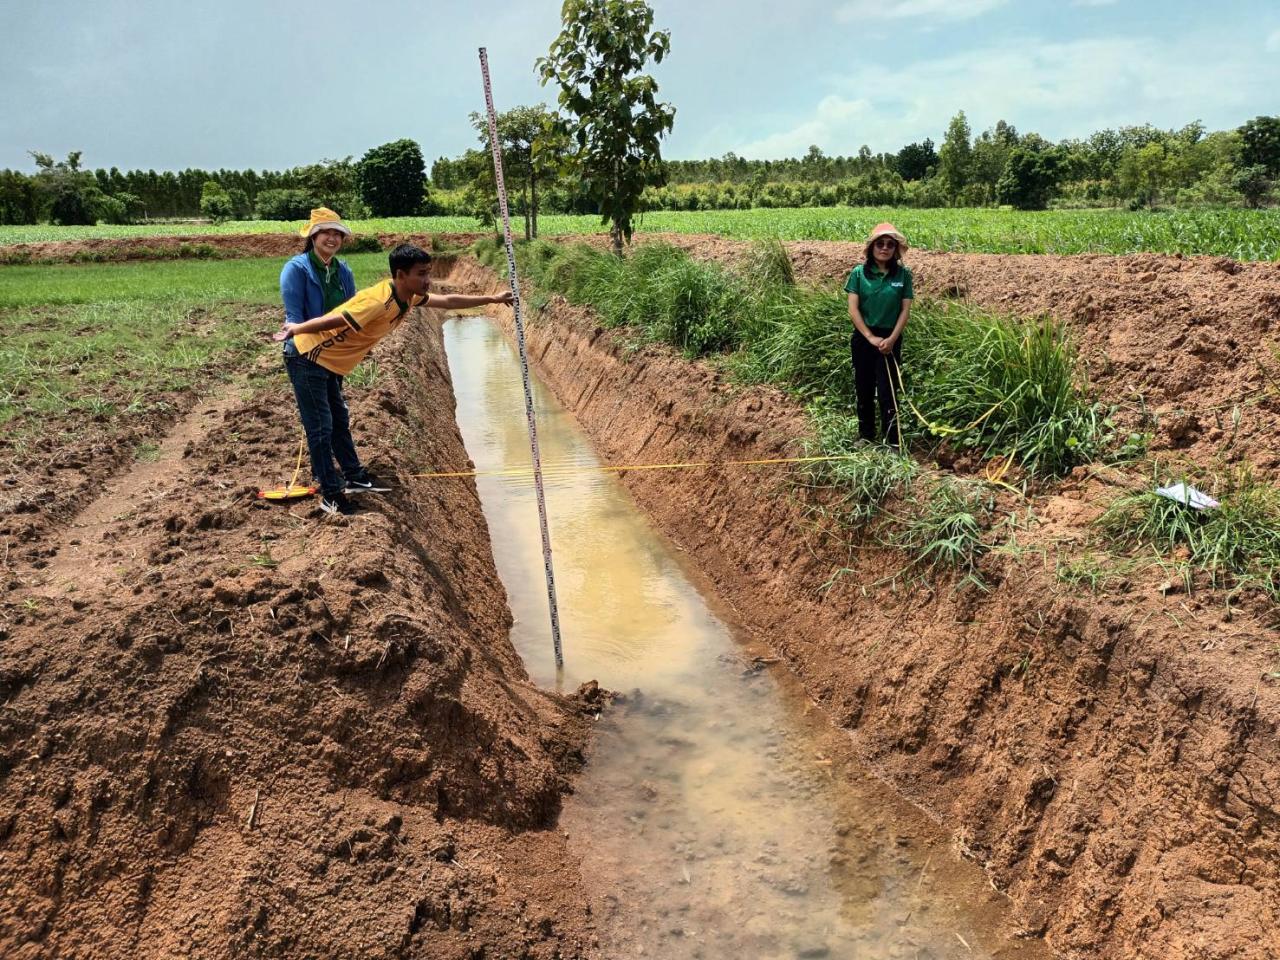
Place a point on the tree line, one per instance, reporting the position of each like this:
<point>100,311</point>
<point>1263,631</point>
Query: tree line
<point>388,181</point>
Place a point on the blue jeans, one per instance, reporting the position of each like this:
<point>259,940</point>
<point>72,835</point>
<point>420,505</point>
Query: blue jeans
<point>325,419</point>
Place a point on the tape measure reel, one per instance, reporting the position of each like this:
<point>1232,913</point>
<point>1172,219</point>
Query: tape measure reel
<point>291,490</point>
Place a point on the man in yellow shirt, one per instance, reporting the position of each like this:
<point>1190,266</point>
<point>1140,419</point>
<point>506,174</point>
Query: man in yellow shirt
<point>320,352</point>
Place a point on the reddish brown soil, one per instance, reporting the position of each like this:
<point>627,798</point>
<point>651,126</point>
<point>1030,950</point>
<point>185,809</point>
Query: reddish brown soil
<point>1185,339</point>
<point>1113,762</point>
<point>235,729</point>
<point>227,245</point>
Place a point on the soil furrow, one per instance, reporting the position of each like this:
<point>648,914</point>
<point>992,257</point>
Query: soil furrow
<point>252,731</point>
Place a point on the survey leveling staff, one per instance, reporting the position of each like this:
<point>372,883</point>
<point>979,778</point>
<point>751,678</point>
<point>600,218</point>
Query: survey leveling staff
<point>320,352</point>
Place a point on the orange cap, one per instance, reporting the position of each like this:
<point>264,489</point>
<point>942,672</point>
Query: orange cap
<point>889,230</point>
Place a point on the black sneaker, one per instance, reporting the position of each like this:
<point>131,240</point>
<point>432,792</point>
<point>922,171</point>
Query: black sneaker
<point>365,483</point>
<point>334,503</point>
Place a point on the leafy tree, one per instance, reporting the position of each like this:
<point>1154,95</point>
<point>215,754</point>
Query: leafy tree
<point>616,120</point>
<point>1254,184</point>
<point>1261,144</point>
<point>1030,178</point>
<point>392,179</point>
<point>915,160</point>
<point>955,159</point>
<point>215,203</point>
<point>990,155</point>
<point>283,205</point>
<point>72,194</point>
<point>532,150</point>
<point>19,198</point>
<point>241,208</point>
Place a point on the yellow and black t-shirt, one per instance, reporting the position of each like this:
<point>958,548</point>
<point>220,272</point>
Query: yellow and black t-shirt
<point>370,315</point>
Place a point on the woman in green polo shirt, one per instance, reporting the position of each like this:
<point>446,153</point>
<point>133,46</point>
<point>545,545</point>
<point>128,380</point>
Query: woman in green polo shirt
<point>880,294</point>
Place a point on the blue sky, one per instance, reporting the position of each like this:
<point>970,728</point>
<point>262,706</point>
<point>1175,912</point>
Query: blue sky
<point>166,84</point>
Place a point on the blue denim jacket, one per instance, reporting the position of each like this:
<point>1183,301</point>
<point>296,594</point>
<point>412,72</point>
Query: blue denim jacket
<point>300,288</point>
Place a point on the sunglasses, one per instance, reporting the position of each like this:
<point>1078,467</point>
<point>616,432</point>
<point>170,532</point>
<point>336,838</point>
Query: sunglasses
<point>886,242</point>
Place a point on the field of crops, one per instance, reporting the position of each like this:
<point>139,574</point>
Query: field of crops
<point>1240,234</point>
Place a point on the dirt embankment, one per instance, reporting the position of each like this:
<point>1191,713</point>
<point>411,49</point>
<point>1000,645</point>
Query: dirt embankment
<point>197,246</point>
<point>1188,341</point>
<point>1112,762</point>
<point>234,729</point>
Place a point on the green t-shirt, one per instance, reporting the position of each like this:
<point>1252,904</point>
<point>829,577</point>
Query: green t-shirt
<point>330,282</point>
<point>879,295</point>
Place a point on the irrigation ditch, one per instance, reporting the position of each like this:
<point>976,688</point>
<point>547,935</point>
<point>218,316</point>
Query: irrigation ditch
<point>231,730</point>
<point>1114,774</point>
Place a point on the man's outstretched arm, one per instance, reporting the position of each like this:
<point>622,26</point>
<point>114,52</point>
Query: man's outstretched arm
<point>461,301</point>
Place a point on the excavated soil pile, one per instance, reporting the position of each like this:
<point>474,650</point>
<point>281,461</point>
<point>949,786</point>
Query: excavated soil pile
<point>197,246</point>
<point>229,728</point>
<point>1112,762</point>
<point>1192,337</point>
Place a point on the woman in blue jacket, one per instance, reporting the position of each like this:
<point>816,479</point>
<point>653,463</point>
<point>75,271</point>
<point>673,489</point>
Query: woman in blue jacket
<point>314,283</point>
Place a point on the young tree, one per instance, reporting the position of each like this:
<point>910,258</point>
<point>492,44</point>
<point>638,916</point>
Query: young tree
<point>215,202</point>
<point>393,179</point>
<point>616,120</point>
<point>531,150</point>
<point>955,159</point>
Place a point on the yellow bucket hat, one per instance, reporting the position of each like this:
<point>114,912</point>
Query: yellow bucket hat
<point>322,218</point>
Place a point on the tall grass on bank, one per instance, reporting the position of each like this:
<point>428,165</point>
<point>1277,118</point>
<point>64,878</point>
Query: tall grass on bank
<point>1237,544</point>
<point>1003,386</point>
<point>865,476</point>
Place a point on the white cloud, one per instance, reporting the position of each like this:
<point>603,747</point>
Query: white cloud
<point>1273,42</point>
<point>1058,89</point>
<point>927,11</point>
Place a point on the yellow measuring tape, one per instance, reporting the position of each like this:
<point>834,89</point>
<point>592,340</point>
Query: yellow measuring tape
<point>941,429</point>
<point>626,468</point>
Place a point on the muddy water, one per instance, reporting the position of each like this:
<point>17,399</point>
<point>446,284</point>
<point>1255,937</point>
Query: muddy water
<point>720,815</point>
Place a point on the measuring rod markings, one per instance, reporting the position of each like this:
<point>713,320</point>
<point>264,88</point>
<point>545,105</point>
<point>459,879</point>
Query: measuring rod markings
<point>524,360</point>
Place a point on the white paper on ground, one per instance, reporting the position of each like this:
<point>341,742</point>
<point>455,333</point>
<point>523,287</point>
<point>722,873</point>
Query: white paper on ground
<point>1186,494</point>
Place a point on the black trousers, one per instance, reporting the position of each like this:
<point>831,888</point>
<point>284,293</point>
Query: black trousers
<point>875,372</point>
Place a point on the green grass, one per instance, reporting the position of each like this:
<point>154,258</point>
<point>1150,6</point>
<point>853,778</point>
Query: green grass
<point>1000,385</point>
<point>866,477</point>
<point>255,280</point>
<point>1237,544</point>
<point>1241,234</point>
<point>945,527</point>
<point>799,339</point>
<point>95,362</point>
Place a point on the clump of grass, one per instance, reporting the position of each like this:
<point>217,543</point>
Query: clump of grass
<point>800,338</point>
<point>944,527</point>
<point>865,476</point>
<point>767,265</point>
<point>690,305</point>
<point>1002,385</point>
<point>1237,543</point>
